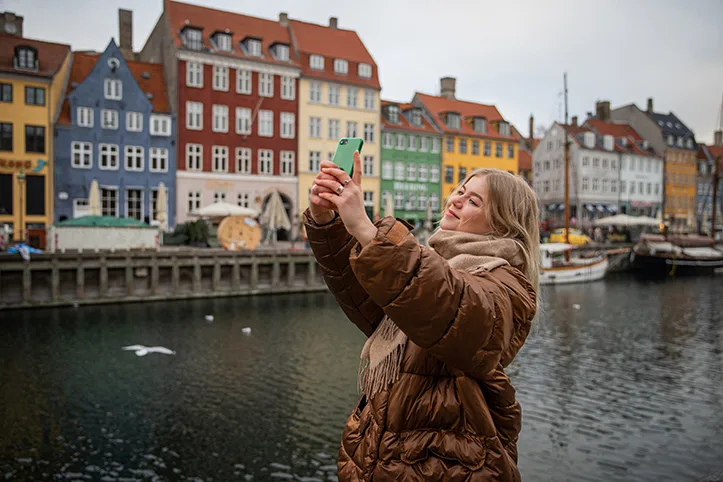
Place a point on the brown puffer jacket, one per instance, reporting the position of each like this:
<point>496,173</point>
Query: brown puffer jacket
<point>452,414</point>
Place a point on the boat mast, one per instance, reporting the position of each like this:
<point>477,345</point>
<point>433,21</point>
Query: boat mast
<point>716,178</point>
<point>567,171</point>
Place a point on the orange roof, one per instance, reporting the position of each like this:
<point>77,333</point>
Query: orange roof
<point>333,43</point>
<point>535,143</point>
<point>403,122</point>
<point>50,55</point>
<point>437,106</point>
<point>210,21</point>
<point>155,84</point>
<point>524,161</point>
<point>614,129</point>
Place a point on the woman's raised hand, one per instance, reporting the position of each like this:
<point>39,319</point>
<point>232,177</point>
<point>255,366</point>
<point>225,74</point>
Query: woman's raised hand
<point>322,210</point>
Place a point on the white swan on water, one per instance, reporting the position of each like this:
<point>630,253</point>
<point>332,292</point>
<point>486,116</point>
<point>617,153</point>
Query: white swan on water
<point>144,350</point>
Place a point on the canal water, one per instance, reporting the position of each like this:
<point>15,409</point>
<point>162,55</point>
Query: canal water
<point>620,380</point>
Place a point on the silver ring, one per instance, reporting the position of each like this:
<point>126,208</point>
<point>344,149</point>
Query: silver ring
<point>347,181</point>
<point>340,189</point>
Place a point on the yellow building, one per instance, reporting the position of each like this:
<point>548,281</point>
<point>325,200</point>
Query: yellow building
<point>338,97</point>
<point>32,79</point>
<point>681,178</point>
<point>475,135</point>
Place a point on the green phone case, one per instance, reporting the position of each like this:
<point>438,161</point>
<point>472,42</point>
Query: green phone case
<point>344,155</point>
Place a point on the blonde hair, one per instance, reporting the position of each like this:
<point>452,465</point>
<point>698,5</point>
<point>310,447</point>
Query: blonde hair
<point>512,212</point>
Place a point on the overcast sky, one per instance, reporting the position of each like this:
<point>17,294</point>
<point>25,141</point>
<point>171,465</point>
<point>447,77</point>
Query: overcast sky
<point>508,53</point>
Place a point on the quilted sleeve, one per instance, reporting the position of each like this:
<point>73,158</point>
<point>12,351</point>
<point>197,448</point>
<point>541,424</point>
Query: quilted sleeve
<point>467,321</point>
<point>331,244</point>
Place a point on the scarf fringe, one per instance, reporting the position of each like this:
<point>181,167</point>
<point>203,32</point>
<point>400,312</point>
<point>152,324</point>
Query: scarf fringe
<point>372,380</point>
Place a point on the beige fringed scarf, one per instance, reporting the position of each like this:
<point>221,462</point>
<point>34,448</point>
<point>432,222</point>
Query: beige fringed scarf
<point>381,357</point>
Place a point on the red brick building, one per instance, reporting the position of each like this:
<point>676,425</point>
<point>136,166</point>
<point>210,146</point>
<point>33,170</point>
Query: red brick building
<point>233,83</point>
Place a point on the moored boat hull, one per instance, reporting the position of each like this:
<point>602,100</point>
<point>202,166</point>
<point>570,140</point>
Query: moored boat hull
<point>654,266</point>
<point>580,273</point>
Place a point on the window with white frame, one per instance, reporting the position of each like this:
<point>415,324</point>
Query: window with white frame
<point>315,92</point>
<point>194,157</point>
<point>412,172</point>
<point>412,143</point>
<point>368,199</point>
<point>287,163</point>
<point>109,119</point>
<point>220,159</point>
<point>243,120</point>
<point>393,114</point>
<point>352,95</point>
<point>422,173</point>
<point>108,156</point>
<point>398,200</point>
<point>401,142</point>
<point>159,159</point>
<point>424,144</point>
<point>436,144</point>
<point>243,160</point>
<point>288,125</point>
<point>387,170</point>
<point>368,166</point>
<point>334,129</point>
<point>253,47</point>
<point>388,140</point>
<point>365,70</point>
<point>369,96</point>
<point>411,203</point>
<point>80,207</point>
<point>219,197</point>
<point>220,78</point>
<point>243,199</point>
<point>243,81</point>
<point>399,171</point>
<point>266,161</point>
<point>435,201</point>
<point>134,204</point>
<point>134,158</point>
<point>194,74</point>
<point>281,52</point>
<point>585,184</point>
<point>82,155</point>
<point>341,66</point>
<point>220,118</point>
<point>422,201</point>
<point>315,127</point>
<point>134,121</point>
<point>351,129</point>
<point>84,117</point>
<point>434,174</point>
<point>266,85</point>
<point>160,125</point>
<point>595,184</point>
<point>314,161</point>
<point>223,42</point>
<point>453,120</point>
<point>417,117</point>
<point>109,201</point>
<point>369,132</point>
<point>333,94</point>
<point>194,116</point>
<point>316,62</point>
<point>194,201</point>
<point>266,123</point>
<point>113,89</point>
<point>288,88</point>
<point>192,39</point>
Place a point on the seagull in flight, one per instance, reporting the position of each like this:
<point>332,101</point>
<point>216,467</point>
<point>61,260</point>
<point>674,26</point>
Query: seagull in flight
<point>144,350</point>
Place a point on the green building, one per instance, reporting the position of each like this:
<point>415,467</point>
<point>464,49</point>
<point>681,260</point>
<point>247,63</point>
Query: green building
<point>411,162</point>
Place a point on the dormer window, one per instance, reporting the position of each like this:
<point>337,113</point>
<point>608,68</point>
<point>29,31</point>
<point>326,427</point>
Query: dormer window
<point>689,143</point>
<point>223,42</point>
<point>316,62</point>
<point>417,118</point>
<point>480,125</point>
<point>589,140</point>
<point>365,70</point>
<point>393,114</point>
<point>453,120</point>
<point>281,52</point>
<point>341,66</point>
<point>192,39</point>
<point>253,47</point>
<point>671,140</point>
<point>608,143</point>
<point>645,145</point>
<point>26,58</point>
<point>504,128</point>
<point>680,141</point>
<point>623,141</point>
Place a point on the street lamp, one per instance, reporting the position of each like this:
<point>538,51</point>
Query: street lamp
<point>21,183</point>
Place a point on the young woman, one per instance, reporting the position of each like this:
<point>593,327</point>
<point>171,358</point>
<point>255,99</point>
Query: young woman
<point>442,324</point>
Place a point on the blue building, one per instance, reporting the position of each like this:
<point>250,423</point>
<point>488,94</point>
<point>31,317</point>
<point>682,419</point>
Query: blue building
<point>116,127</point>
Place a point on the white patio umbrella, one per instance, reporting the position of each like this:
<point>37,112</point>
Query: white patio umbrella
<point>223,209</point>
<point>625,220</point>
<point>94,199</point>
<point>274,216</point>
<point>161,201</point>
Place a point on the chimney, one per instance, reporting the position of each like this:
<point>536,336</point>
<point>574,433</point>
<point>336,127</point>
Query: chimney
<point>718,138</point>
<point>650,105</point>
<point>333,22</point>
<point>448,87</point>
<point>532,130</point>
<point>11,24</point>
<point>602,110</point>
<point>125,32</point>
<point>574,121</point>
<point>284,19</point>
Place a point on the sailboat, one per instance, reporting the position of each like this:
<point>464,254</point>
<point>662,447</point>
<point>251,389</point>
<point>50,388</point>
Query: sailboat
<point>560,263</point>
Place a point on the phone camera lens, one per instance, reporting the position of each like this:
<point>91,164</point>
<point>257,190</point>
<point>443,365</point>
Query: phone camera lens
<point>344,142</point>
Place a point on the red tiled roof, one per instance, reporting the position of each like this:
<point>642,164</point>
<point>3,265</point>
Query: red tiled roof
<point>50,55</point>
<point>437,106</point>
<point>535,143</point>
<point>210,21</point>
<point>617,130</point>
<point>333,43</point>
<point>403,122</point>
<point>155,84</point>
<point>524,160</point>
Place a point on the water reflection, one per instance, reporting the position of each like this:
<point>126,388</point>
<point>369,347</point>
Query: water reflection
<point>625,386</point>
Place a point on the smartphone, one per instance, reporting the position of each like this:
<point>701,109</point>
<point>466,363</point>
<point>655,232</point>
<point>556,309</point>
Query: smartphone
<point>344,155</point>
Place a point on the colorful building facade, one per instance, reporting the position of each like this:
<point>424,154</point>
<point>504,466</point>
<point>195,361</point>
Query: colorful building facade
<point>233,82</point>
<point>338,97</point>
<point>475,135</point>
<point>115,127</point>
<point>32,78</point>
<point>411,160</point>
<point>710,170</point>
